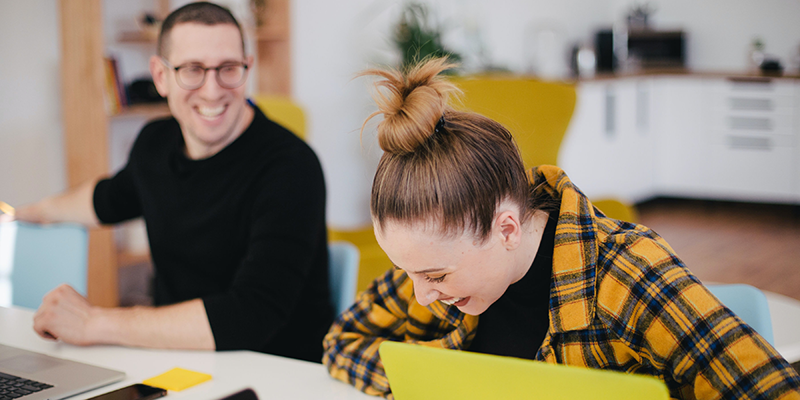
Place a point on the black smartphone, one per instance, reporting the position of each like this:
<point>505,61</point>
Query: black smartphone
<point>246,394</point>
<point>133,392</point>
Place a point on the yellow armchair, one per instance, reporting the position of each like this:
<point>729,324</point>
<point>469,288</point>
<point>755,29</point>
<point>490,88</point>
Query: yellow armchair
<point>283,111</point>
<point>537,113</point>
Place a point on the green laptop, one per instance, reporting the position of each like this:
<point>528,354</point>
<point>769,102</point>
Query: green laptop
<point>419,372</point>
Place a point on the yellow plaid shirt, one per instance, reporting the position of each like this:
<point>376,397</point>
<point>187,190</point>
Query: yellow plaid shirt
<point>620,299</point>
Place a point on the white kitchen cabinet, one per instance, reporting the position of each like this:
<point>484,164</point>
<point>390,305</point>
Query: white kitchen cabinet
<point>686,136</point>
<point>796,142</point>
<point>753,139</point>
<point>608,148</point>
<point>760,172</point>
<point>634,143</point>
<point>580,154</point>
<point>682,140</point>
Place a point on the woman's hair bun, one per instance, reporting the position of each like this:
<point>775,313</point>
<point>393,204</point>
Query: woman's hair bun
<point>411,102</point>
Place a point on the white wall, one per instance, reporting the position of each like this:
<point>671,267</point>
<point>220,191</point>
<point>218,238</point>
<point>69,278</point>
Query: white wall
<point>334,40</point>
<point>31,155</point>
<point>720,31</point>
<point>331,41</point>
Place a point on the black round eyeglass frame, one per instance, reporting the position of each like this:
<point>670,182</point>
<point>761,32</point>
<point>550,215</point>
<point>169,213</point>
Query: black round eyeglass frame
<point>220,82</point>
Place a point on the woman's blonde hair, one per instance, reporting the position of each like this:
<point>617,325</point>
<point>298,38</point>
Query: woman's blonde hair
<point>439,163</point>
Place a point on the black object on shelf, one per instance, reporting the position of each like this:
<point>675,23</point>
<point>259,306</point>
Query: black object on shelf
<point>143,91</point>
<point>604,51</point>
<point>658,49</point>
<point>771,67</point>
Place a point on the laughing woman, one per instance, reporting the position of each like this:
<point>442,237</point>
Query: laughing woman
<point>495,260</point>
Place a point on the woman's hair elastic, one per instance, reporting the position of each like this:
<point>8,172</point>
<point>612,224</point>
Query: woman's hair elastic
<point>439,125</point>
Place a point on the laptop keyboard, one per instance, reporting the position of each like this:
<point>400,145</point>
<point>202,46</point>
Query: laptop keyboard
<point>14,387</point>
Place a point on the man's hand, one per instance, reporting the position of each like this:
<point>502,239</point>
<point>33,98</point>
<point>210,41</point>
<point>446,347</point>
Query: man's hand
<point>65,315</point>
<point>33,213</point>
<point>75,205</point>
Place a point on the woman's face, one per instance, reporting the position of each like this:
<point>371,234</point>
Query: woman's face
<point>460,271</point>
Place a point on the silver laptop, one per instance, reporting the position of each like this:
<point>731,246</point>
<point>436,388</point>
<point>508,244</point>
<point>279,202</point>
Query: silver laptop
<point>36,376</point>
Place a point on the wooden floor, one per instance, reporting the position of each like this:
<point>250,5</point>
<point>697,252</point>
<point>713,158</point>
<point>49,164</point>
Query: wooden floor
<point>732,242</point>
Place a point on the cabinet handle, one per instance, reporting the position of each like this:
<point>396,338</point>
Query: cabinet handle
<point>749,143</point>
<point>749,79</point>
<point>611,112</point>
<point>751,84</point>
<point>750,123</point>
<point>746,104</point>
<point>642,109</point>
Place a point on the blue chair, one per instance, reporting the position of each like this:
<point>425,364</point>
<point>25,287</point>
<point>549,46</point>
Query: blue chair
<point>749,303</point>
<point>343,274</point>
<point>41,257</point>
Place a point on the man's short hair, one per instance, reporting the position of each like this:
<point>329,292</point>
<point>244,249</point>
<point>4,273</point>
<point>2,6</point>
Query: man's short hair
<point>201,12</point>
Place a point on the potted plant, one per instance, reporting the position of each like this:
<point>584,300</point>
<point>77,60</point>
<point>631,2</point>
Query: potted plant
<point>417,38</point>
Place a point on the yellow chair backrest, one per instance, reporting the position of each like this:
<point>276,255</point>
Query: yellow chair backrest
<point>617,209</point>
<point>283,111</point>
<point>537,113</point>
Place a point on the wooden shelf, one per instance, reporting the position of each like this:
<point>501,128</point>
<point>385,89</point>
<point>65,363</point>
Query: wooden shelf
<point>148,110</point>
<point>86,129</point>
<point>144,37</point>
<point>273,48</point>
<point>127,258</point>
<point>271,33</point>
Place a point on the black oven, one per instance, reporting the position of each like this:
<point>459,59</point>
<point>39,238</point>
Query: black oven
<point>648,48</point>
<point>657,49</point>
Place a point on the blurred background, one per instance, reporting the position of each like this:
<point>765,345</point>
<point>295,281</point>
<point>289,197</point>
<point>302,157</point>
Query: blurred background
<point>689,111</point>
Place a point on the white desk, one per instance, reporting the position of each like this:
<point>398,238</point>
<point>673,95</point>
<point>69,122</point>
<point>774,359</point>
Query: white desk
<point>785,314</point>
<point>271,377</point>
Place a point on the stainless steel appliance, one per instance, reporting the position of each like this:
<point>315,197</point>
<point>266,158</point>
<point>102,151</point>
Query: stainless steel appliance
<point>645,48</point>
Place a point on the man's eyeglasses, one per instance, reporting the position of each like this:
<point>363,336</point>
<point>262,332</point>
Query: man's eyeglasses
<point>230,75</point>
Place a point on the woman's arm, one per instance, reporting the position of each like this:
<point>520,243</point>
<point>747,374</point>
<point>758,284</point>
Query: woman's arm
<point>386,311</point>
<point>351,345</point>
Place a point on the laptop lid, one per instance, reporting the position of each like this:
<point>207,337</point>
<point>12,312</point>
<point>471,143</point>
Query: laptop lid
<point>65,377</point>
<point>419,372</point>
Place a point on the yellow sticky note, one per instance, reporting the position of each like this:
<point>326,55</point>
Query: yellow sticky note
<point>177,379</point>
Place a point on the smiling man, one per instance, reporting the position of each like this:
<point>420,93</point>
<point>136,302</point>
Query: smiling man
<point>234,206</point>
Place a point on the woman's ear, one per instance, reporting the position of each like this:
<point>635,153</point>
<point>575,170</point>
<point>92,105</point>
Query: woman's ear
<point>508,227</point>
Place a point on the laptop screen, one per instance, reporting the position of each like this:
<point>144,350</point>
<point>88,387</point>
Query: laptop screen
<point>416,372</point>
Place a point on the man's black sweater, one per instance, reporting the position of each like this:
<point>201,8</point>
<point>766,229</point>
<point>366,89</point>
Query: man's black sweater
<point>244,230</point>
